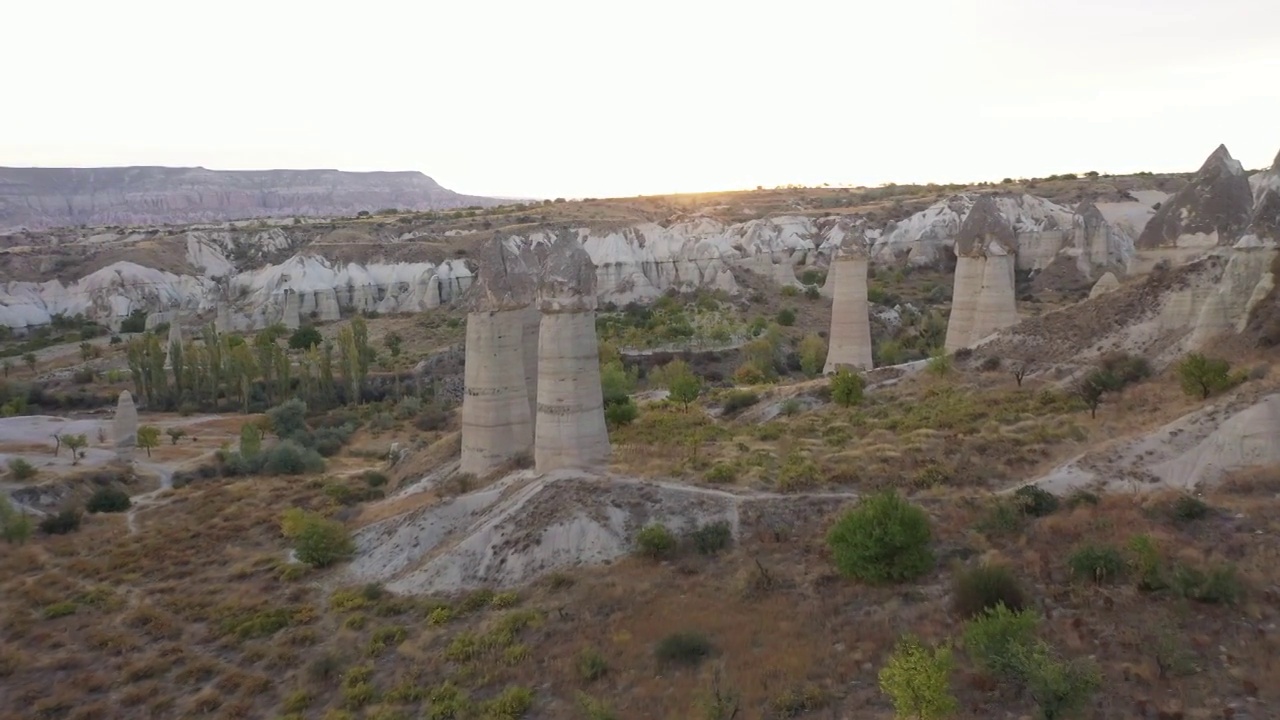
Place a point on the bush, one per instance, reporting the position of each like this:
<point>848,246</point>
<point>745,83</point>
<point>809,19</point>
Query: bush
<point>1219,586</point>
<point>1188,508</point>
<point>1124,369</point>
<point>67,521</point>
<point>591,665</point>
<point>20,469</point>
<point>813,355</point>
<point>721,473</point>
<point>939,364</point>
<point>318,541</point>
<point>918,679</point>
<point>978,589</point>
<point>846,388</point>
<point>431,419</point>
<point>305,338</point>
<point>620,413</point>
<point>1061,688</point>
<point>739,400</point>
<point>786,317</point>
<point>686,648</point>
<point>655,542</point>
<point>994,639</point>
<point>884,539</point>
<point>288,418</point>
<point>290,458</point>
<point>711,539</point>
<point>15,526</point>
<point>1036,501</point>
<point>107,500</point>
<point>1099,563</point>
<point>1202,376</point>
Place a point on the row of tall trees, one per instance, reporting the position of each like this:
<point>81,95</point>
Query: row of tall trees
<point>221,371</point>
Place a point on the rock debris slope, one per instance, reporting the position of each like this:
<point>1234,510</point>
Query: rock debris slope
<point>497,424</point>
<point>570,428</point>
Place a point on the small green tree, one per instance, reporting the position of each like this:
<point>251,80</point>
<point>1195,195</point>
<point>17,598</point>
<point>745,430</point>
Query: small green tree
<point>394,343</point>
<point>8,365</point>
<point>21,470</point>
<point>813,354</point>
<point>939,363</point>
<point>75,443</point>
<point>30,360</point>
<point>148,437</point>
<point>1061,688</point>
<point>786,317</point>
<point>288,418</point>
<point>918,680</point>
<point>86,351</point>
<point>1203,376</point>
<point>175,434</point>
<point>685,387</point>
<point>250,440</point>
<point>655,542</point>
<point>305,338</point>
<point>317,541</point>
<point>847,387</point>
<point>996,636</point>
<point>15,526</point>
<point>885,539</point>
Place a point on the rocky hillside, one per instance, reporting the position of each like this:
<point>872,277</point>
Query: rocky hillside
<point>52,197</point>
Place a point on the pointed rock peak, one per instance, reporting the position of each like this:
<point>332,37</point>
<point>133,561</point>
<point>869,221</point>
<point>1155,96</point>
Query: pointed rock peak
<point>567,280</point>
<point>504,277</point>
<point>985,231</point>
<point>1220,160</point>
<point>125,399</point>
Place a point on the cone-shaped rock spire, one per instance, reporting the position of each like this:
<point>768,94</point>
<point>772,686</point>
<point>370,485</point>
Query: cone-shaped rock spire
<point>982,298</point>
<point>570,427</point>
<point>497,418</point>
<point>124,427</point>
<point>850,336</point>
<point>1211,210</point>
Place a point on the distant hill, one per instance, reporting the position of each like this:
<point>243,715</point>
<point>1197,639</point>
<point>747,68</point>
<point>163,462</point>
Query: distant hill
<point>51,197</point>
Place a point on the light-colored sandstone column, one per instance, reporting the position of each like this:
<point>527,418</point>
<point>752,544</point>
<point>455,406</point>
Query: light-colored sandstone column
<point>124,427</point>
<point>849,343</point>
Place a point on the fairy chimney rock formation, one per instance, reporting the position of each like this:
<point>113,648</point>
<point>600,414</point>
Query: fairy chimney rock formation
<point>850,337</point>
<point>497,419</point>
<point>1211,210</point>
<point>1105,284</point>
<point>982,299</point>
<point>1264,222</point>
<point>570,428</point>
<point>124,427</point>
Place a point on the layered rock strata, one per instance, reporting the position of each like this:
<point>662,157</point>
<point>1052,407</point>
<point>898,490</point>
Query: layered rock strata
<point>570,426</point>
<point>497,418</point>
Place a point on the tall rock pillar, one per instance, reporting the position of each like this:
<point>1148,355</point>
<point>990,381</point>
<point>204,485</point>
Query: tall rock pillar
<point>532,321</point>
<point>982,297</point>
<point>124,427</point>
<point>570,430</point>
<point>850,337</point>
<point>497,420</point>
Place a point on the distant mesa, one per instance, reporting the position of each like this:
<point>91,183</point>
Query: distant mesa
<point>38,198</point>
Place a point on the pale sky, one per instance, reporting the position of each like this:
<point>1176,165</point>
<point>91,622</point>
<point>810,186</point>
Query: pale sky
<point>596,98</point>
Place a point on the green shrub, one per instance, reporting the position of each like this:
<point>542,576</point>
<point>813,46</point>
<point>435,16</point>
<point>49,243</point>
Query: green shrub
<point>510,704</point>
<point>918,680</point>
<point>622,412</point>
<point>994,638</point>
<point>712,538</point>
<point>67,521</point>
<point>59,609</point>
<point>1036,501</point>
<point>786,317</point>
<point>20,469</point>
<point>591,665</point>
<point>107,500</point>
<point>884,539</point>
<point>655,542</point>
<point>686,648</point>
<point>847,388</point>
<point>1203,376</point>
<point>1003,516</point>
<point>594,708</point>
<point>305,338</point>
<point>290,458</point>
<point>1124,369</point>
<point>1219,586</point>
<point>288,418</point>
<point>1099,563</point>
<point>1188,508</point>
<point>721,473</point>
<point>939,364</point>
<point>320,542</point>
<point>739,400</point>
<point>978,589</point>
<point>1061,688</point>
<point>1147,563</point>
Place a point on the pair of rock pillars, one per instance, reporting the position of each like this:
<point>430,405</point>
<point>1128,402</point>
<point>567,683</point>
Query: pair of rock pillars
<point>532,376</point>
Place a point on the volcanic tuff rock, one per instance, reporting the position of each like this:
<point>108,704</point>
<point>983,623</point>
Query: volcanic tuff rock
<point>850,336</point>
<point>50,197</point>
<point>1264,221</point>
<point>124,427</point>
<point>983,291</point>
<point>1211,211</point>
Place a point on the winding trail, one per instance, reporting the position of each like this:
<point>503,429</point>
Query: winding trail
<point>149,499</point>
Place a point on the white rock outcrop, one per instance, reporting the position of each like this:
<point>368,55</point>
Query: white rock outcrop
<point>570,427</point>
<point>983,298</point>
<point>497,423</point>
<point>124,427</point>
<point>1105,284</point>
<point>849,342</point>
<point>1212,210</point>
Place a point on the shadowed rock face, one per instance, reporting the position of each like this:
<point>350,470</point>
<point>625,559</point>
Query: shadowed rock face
<point>1212,210</point>
<point>1264,221</point>
<point>982,299</point>
<point>985,231</point>
<point>50,197</point>
<point>567,281</point>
